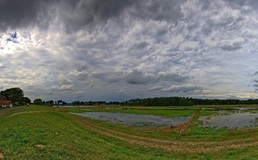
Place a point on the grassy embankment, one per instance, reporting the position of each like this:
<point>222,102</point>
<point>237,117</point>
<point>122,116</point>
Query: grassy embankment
<point>39,132</point>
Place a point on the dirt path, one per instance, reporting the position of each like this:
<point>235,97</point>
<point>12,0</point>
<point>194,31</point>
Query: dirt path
<point>27,112</point>
<point>171,145</point>
<point>5,110</point>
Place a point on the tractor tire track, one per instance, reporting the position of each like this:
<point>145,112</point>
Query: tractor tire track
<point>169,145</point>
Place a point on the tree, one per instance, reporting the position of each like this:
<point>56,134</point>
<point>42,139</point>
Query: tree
<point>38,101</point>
<point>26,100</point>
<point>51,102</point>
<point>14,94</point>
<point>61,102</point>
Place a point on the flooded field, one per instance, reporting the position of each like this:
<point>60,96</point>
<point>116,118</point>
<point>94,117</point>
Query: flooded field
<point>227,117</point>
<point>231,120</point>
<point>135,119</point>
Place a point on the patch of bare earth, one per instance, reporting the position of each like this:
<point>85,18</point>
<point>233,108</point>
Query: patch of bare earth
<point>27,112</point>
<point>5,110</point>
<point>171,145</point>
<point>40,146</point>
<point>1,155</point>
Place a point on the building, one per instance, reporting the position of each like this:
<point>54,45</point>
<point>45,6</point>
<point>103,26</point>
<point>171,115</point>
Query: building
<point>4,102</point>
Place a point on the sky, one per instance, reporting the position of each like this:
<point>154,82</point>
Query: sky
<point>117,50</point>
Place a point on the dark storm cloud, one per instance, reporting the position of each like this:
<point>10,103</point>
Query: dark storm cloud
<point>21,13</point>
<point>96,48</point>
<point>79,13</point>
<point>73,15</point>
<point>168,10</point>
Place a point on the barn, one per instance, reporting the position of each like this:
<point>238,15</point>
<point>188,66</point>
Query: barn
<point>4,102</point>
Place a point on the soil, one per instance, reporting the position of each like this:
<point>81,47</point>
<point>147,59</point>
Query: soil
<point>172,145</point>
<point>1,155</point>
<point>5,110</point>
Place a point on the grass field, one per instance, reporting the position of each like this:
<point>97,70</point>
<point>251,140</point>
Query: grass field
<point>41,132</point>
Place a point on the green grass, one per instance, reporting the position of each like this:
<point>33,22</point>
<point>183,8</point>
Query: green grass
<point>40,132</point>
<point>61,137</point>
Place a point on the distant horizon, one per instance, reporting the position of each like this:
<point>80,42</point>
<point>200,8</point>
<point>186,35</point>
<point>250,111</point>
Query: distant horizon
<point>241,99</point>
<point>121,50</point>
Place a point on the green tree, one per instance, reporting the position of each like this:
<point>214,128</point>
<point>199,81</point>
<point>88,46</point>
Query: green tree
<point>38,101</point>
<point>14,94</point>
<point>26,100</point>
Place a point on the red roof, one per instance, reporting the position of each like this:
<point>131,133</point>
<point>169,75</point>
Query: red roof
<point>5,102</point>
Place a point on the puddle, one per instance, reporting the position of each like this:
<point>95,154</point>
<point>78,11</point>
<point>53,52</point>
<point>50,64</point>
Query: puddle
<point>135,119</point>
<point>232,120</point>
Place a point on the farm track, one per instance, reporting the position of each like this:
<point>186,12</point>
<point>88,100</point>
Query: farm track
<point>27,112</point>
<point>170,145</point>
<point>5,110</point>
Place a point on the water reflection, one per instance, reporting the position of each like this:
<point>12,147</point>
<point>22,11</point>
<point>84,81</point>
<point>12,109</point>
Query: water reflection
<point>233,120</point>
<point>135,119</point>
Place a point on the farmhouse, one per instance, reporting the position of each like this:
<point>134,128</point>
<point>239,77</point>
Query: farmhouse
<point>4,102</point>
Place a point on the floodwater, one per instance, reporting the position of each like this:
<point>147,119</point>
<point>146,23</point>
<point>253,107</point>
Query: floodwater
<point>61,106</point>
<point>135,119</point>
<point>231,120</point>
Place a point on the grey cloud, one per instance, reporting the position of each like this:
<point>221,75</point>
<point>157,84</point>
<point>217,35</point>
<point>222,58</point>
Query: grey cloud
<point>82,76</point>
<point>76,14</point>
<point>183,88</point>
<point>239,4</point>
<point>103,9</point>
<point>138,77</point>
<point>114,77</point>
<point>231,47</point>
<point>65,85</point>
<point>20,13</point>
<point>114,43</point>
<point>79,13</point>
<point>141,45</point>
<point>80,67</point>
<point>256,84</point>
<point>66,82</point>
<point>174,77</point>
<point>166,10</point>
<point>155,88</point>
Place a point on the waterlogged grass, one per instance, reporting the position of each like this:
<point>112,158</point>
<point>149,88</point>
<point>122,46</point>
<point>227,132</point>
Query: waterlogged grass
<point>165,112</point>
<point>169,111</point>
<point>157,112</point>
<point>39,132</point>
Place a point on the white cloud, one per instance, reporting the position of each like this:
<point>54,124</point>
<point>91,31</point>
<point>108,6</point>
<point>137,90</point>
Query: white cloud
<point>185,48</point>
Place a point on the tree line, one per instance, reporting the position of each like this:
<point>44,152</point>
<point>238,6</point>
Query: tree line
<point>17,97</point>
<point>157,101</point>
<point>185,101</point>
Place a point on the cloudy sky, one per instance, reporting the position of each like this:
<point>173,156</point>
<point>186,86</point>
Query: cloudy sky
<point>116,50</point>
